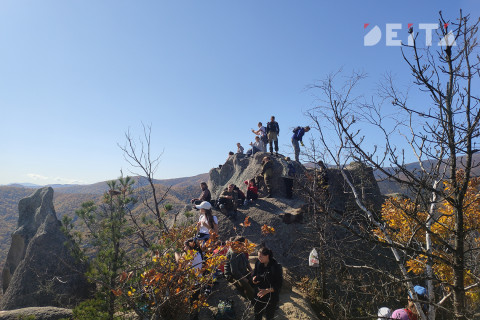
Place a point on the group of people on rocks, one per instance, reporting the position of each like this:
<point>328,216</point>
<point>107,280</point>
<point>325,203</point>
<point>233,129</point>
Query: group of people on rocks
<point>269,135</point>
<point>260,285</point>
<point>410,312</point>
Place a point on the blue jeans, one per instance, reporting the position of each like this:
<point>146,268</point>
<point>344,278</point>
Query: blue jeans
<point>296,147</point>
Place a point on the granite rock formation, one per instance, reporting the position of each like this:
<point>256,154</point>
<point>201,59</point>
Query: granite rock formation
<point>239,168</point>
<point>39,270</point>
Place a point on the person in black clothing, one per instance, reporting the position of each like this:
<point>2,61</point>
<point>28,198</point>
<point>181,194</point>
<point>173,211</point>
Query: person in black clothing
<point>273,130</point>
<point>268,277</point>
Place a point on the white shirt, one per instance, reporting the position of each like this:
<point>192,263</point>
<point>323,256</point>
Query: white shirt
<point>202,219</point>
<point>197,261</point>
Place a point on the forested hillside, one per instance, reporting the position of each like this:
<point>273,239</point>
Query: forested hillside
<point>68,199</point>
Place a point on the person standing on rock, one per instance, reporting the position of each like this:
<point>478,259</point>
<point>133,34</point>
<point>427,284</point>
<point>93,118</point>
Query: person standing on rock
<point>267,173</point>
<point>273,130</point>
<point>268,276</point>
<point>298,133</point>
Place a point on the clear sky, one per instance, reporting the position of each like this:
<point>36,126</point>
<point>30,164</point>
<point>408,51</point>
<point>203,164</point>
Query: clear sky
<point>75,75</point>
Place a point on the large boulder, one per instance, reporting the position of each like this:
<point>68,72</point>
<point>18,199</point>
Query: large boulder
<point>37,313</point>
<point>39,270</point>
<point>239,168</point>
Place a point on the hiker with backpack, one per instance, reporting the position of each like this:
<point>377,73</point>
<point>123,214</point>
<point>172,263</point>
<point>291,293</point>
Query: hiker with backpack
<point>262,134</point>
<point>238,270</point>
<point>273,130</point>
<point>268,277</point>
<point>298,133</point>
<point>207,222</point>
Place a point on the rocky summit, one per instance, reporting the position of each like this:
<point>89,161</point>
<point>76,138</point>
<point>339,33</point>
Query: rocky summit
<point>39,270</point>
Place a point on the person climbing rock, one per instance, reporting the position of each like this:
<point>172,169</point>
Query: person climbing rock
<point>267,173</point>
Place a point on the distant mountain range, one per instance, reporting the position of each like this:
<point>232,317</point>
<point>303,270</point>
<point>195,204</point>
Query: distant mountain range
<point>101,187</point>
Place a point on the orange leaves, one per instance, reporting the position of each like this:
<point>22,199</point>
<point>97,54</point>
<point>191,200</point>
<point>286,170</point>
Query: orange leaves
<point>117,292</point>
<point>267,230</point>
<point>246,223</point>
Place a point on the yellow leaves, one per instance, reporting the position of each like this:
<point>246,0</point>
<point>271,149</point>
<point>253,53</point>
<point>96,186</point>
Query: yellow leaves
<point>267,230</point>
<point>402,218</point>
<point>417,265</point>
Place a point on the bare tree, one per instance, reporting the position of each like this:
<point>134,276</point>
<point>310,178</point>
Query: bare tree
<point>138,153</point>
<point>441,137</point>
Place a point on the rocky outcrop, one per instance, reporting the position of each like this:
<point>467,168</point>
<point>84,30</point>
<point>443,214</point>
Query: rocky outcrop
<point>39,313</point>
<point>240,168</point>
<point>39,270</point>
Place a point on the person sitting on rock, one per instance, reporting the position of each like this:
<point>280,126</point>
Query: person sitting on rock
<point>204,196</point>
<point>268,276</point>
<point>240,195</point>
<point>228,200</point>
<point>256,147</point>
<point>207,222</point>
<point>239,148</point>
<point>238,270</point>
<point>267,173</point>
<point>252,190</point>
<point>262,134</point>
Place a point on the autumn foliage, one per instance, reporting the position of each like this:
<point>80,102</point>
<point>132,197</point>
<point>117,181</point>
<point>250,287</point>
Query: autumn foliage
<point>406,224</point>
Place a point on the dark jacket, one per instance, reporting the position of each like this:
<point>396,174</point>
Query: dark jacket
<point>236,265</point>
<point>273,126</point>
<point>206,195</point>
<point>298,133</point>
<point>270,276</point>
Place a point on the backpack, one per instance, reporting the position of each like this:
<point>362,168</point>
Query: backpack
<point>296,130</point>
<point>225,310</point>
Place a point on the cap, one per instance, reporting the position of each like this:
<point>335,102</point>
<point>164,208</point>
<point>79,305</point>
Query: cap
<point>400,314</point>
<point>384,313</point>
<point>204,205</point>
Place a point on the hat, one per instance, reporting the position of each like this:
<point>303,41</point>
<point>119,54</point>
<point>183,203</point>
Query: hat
<point>400,314</point>
<point>384,313</point>
<point>420,291</point>
<point>204,205</point>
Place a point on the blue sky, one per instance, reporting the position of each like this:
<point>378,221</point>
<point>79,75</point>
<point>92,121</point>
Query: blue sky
<point>75,75</point>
